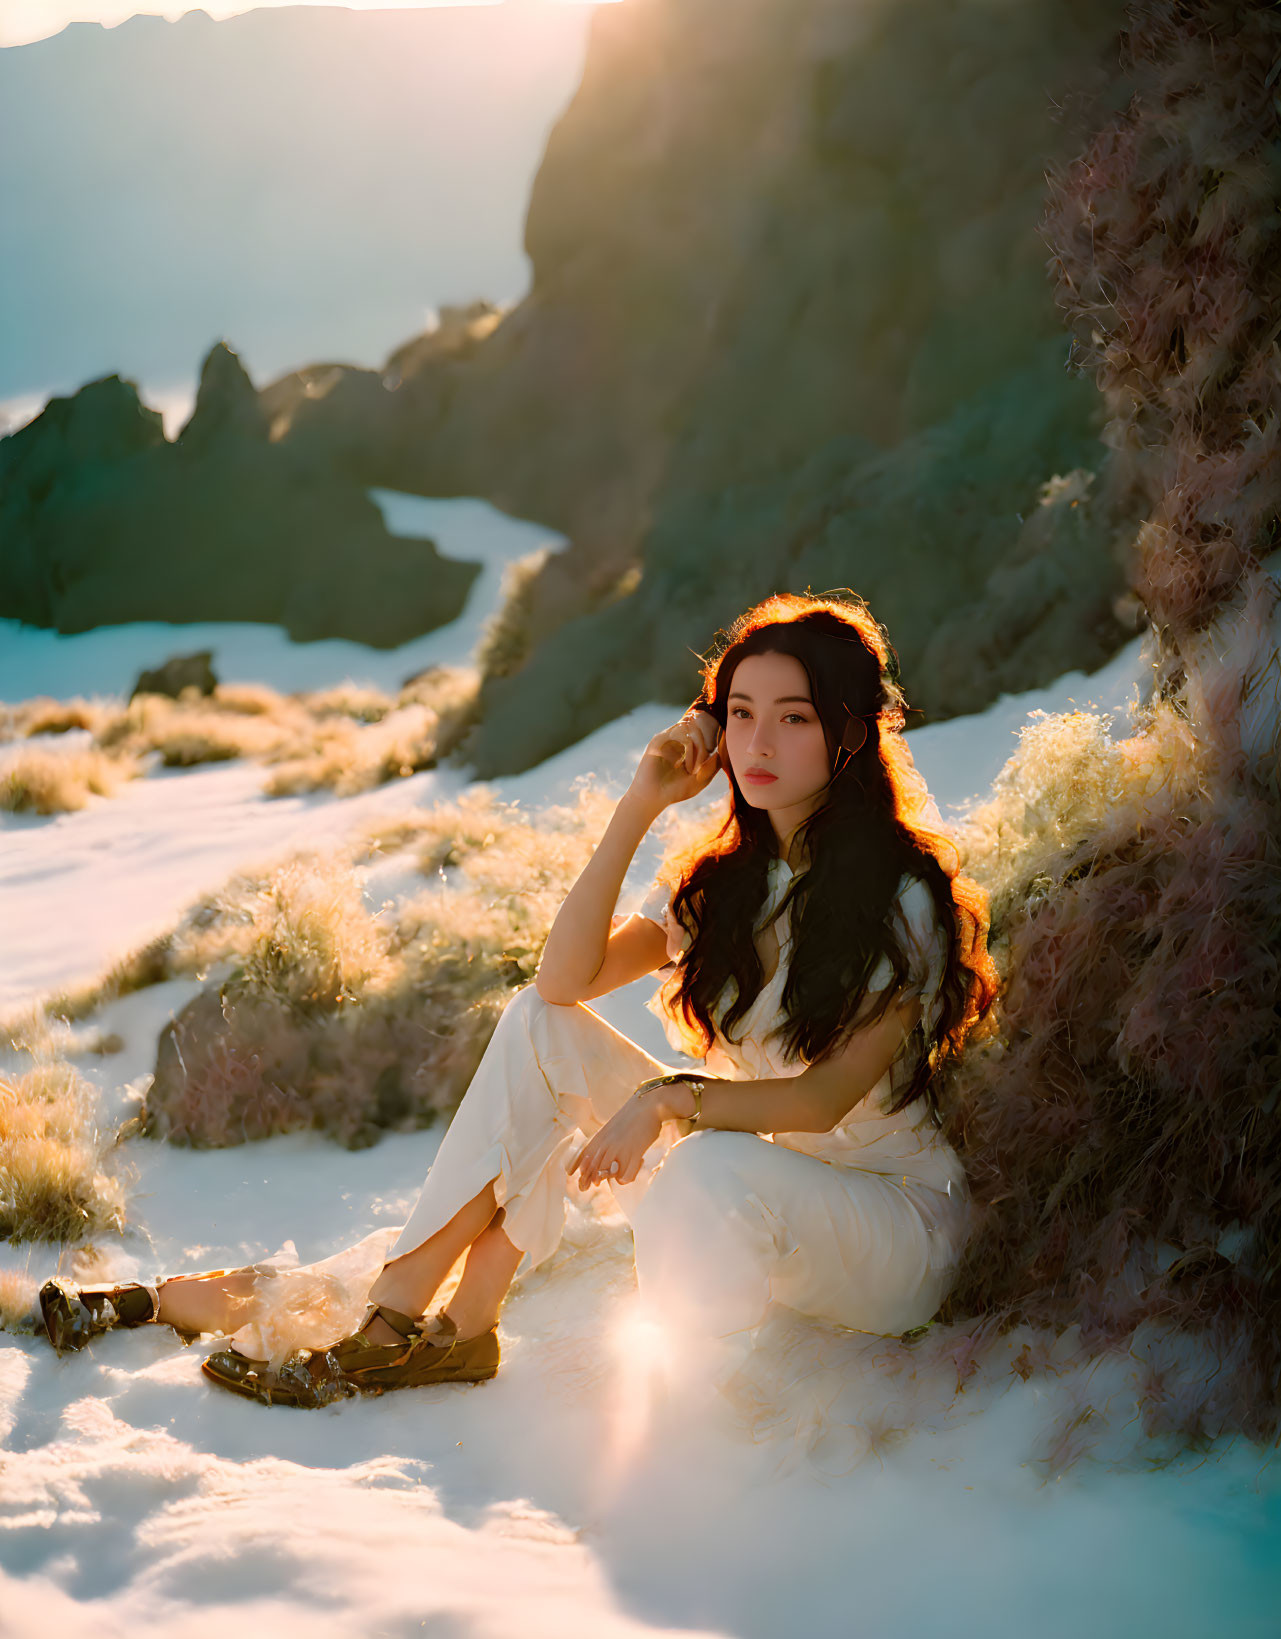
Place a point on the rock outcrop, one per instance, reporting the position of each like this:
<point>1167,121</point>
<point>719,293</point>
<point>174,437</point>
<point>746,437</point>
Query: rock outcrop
<point>789,325</point>
<point>103,521</point>
<point>179,672</point>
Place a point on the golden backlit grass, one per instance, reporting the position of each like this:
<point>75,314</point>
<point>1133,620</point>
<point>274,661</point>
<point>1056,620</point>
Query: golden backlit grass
<point>43,715</point>
<point>507,637</point>
<point>358,740</point>
<point>205,728</point>
<point>1067,780</point>
<point>345,739</point>
<point>319,1011</point>
<point>54,1181</point>
<point>329,1015</point>
<point>19,1305</point>
<point>36,781</point>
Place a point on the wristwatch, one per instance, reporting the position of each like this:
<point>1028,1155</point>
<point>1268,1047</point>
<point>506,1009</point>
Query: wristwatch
<point>696,1084</point>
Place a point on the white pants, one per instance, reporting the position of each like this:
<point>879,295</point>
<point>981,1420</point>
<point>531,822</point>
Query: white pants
<point>724,1223</point>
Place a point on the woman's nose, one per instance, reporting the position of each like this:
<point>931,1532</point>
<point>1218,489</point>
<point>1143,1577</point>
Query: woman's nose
<point>759,745</point>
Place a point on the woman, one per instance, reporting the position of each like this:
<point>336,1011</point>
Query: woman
<point>823,956</point>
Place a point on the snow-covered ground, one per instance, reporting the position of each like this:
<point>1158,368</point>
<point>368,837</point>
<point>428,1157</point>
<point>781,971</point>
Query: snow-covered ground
<point>560,1498</point>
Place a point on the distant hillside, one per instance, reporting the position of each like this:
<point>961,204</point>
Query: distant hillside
<point>305,181</point>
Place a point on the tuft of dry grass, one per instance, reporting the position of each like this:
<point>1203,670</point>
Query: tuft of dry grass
<point>244,699</point>
<point>19,1303</point>
<point>345,756</point>
<point>43,715</point>
<point>37,781</point>
<point>54,1185</point>
<point>188,732</point>
<point>1066,782</point>
<point>363,705</point>
<point>312,943</point>
<point>506,640</point>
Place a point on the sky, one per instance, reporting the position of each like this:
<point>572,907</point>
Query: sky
<point>25,20</point>
<point>304,183</point>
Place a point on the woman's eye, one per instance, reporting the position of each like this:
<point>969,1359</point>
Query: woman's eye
<point>795,717</point>
<point>739,711</point>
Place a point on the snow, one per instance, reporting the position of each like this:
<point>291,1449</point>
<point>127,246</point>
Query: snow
<point>563,1498</point>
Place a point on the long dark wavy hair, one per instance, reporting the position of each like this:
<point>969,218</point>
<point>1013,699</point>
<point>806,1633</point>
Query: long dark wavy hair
<point>865,833</point>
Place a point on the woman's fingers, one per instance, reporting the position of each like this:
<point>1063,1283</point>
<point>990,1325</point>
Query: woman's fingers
<point>587,1164</point>
<point>593,1167</point>
<point>702,741</point>
<point>690,742</point>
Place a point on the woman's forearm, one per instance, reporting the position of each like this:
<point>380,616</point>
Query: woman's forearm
<point>579,936</point>
<point>816,1100</point>
<point>776,1104</point>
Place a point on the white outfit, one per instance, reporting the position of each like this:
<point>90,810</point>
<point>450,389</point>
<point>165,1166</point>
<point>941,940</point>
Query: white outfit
<point>861,1226</point>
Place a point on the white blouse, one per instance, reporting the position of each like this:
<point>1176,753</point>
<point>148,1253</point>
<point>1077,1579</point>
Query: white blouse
<point>906,1145</point>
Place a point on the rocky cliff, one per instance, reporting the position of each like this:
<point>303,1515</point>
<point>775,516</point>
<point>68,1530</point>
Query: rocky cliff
<point>789,325</point>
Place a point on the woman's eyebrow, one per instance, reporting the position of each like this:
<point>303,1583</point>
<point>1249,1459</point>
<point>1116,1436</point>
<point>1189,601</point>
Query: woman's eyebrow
<point>737,694</point>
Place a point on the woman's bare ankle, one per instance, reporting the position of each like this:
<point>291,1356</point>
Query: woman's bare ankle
<point>468,1324</point>
<point>400,1297</point>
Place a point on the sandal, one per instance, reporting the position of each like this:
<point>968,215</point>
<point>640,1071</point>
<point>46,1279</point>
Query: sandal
<point>73,1315</point>
<point>429,1352</point>
<point>435,1355</point>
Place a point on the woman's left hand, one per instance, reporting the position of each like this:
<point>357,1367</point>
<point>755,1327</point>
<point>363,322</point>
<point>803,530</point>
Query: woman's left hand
<point>623,1139</point>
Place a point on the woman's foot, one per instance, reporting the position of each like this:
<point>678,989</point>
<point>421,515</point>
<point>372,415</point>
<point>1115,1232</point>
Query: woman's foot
<point>74,1315</point>
<point>426,1351</point>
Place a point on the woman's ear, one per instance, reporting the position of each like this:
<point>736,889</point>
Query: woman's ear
<point>854,735</point>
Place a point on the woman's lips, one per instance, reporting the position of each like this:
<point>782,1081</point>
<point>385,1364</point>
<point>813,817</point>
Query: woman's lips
<point>758,776</point>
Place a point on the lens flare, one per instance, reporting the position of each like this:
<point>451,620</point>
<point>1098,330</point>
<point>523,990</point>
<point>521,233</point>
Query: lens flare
<point>641,1346</point>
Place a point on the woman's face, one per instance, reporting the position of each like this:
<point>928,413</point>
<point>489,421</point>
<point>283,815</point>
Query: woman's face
<point>774,739</point>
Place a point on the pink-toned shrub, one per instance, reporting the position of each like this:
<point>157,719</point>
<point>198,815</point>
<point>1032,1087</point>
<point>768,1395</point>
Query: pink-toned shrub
<point>1122,1134</point>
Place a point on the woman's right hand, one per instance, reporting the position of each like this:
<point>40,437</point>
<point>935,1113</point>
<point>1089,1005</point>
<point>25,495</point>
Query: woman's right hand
<point>679,761</point>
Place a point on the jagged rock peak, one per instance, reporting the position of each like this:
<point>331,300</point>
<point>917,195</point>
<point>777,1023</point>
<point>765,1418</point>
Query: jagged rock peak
<point>227,402</point>
<point>102,421</point>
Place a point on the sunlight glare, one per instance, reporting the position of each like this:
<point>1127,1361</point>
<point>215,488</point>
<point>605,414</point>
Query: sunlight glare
<point>640,1345</point>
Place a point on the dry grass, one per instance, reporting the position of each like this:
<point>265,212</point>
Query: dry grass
<point>320,1014</point>
<point>363,705</point>
<point>312,943</point>
<point>43,715</point>
<point>244,699</point>
<point>344,739</point>
<point>150,964</point>
<point>19,1305</point>
<point>1065,782</point>
<point>506,640</point>
<point>36,781</point>
<point>346,758</point>
<point>346,754</point>
<point>203,729</point>
<point>54,1185</point>
<point>334,1018</point>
